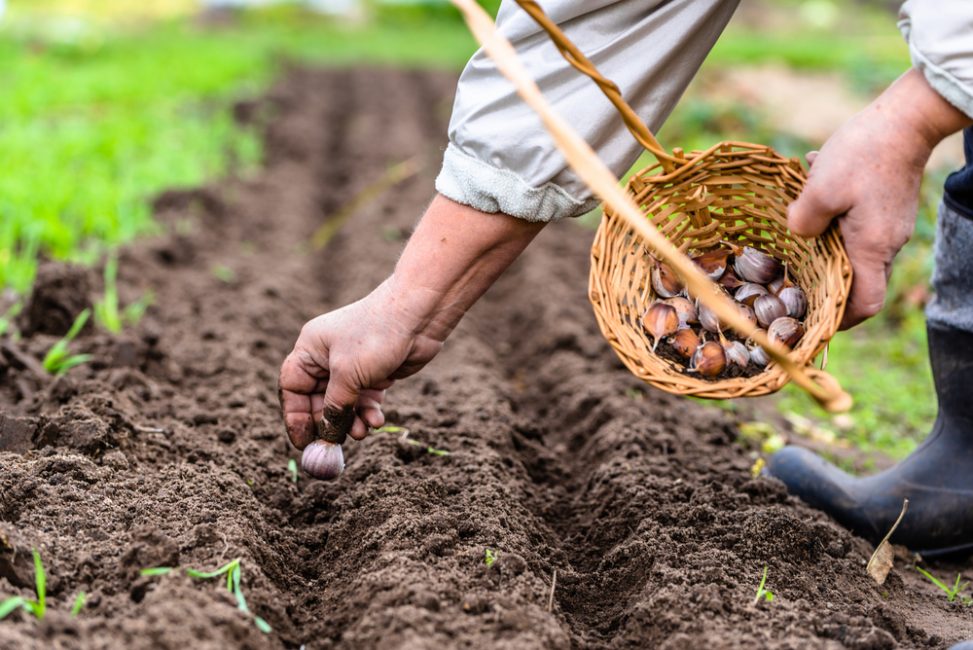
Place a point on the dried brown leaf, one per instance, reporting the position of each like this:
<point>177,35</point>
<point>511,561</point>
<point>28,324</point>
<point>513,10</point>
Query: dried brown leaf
<point>882,560</point>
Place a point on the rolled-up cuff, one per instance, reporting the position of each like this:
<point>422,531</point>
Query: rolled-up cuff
<point>957,92</point>
<point>481,186</point>
<point>952,89</point>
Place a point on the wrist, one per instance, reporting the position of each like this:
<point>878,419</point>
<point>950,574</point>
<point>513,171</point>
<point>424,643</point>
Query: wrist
<point>919,115</point>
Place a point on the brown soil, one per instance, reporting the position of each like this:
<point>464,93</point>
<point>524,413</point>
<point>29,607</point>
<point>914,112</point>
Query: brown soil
<point>167,449</point>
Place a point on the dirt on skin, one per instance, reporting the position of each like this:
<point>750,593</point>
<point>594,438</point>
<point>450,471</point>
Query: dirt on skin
<point>167,448</point>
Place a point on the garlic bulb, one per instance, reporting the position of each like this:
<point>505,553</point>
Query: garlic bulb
<point>794,300</point>
<point>713,263</point>
<point>758,355</point>
<point>768,308</point>
<point>785,330</point>
<point>665,282</point>
<point>685,309</point>
<point>756,266</point>
<point>729,280</point>
<point>749,292</point>
<point>736,353</point>
<point>709,360</point>
<point>684,342</point>
<point>659,321</point>
<point>707,317</point>
<point>323,460</point>
<point>775,286</point>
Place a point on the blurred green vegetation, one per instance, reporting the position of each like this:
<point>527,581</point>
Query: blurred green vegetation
<point>97,116</point>
<point>94,122</point>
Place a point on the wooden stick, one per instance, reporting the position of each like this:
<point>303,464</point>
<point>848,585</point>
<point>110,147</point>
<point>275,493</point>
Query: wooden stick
<point>603,183</point>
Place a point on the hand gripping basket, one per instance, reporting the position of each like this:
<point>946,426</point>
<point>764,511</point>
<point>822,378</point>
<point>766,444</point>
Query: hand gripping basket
<point>734,192</point>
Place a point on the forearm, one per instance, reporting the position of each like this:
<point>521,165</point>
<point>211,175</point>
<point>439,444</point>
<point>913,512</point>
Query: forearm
<point>455,254</point>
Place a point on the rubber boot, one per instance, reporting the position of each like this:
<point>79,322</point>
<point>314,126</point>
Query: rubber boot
<point>937,478</point>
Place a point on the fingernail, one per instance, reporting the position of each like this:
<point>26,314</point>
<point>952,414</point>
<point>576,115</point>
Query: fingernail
<point>335,424</point>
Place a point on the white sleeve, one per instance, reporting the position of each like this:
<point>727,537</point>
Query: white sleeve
<point>940,37</point>
<point>501,159</point>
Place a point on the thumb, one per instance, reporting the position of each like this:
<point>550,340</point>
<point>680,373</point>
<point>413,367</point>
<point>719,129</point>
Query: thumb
<point>812,212</point>
<point>338,412</point>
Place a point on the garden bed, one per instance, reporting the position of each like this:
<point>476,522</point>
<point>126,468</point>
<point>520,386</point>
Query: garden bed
<point>167,448</point>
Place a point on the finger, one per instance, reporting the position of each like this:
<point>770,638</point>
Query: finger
<point>369,407</point>
<point>359,430</point>
<point>298,419</point>
<point>868,287</point>
<point>374,418</point>
<point>811,157</point>
<point>340,398</point>
<point>293,387</point>
<point>811,213</point>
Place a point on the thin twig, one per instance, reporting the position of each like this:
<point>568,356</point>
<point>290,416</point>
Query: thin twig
<point>550,599</point>
<point>142,429</point>
<point>24,359</point>
<point>392,177</point>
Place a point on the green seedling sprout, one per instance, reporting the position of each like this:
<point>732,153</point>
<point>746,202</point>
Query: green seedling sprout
<point>224,273</point>
<point>762,591</point>
<point>36,607</point>
<point>8,317</point>
<point>432,451</point>
<point>951,592</point>
<point>107,311</point>
<point>232,572</point>
<point>156,571</point>
<point>79,602</point>
<point>489,557</point>
<point>292,468</point>
<point>58,359</point>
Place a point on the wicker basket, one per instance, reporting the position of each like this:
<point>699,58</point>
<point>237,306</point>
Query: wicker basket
<point>733,191</point>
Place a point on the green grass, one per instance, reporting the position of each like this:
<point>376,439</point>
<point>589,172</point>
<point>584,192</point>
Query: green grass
<point>951,592</point>
<point>91,127</point>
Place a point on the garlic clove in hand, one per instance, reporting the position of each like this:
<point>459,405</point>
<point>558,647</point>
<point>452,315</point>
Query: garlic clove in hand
<point>323,460</point>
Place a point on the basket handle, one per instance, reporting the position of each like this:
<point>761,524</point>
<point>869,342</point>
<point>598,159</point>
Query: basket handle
<point>822,386</point>
<point>580,62</point>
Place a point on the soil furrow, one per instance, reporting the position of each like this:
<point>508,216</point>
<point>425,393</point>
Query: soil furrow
<point>167,449</point>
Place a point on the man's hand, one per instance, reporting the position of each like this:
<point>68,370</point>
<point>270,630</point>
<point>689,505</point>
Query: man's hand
<point>344,360</point>
<point>867,175</point>
<point>347,359</point>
